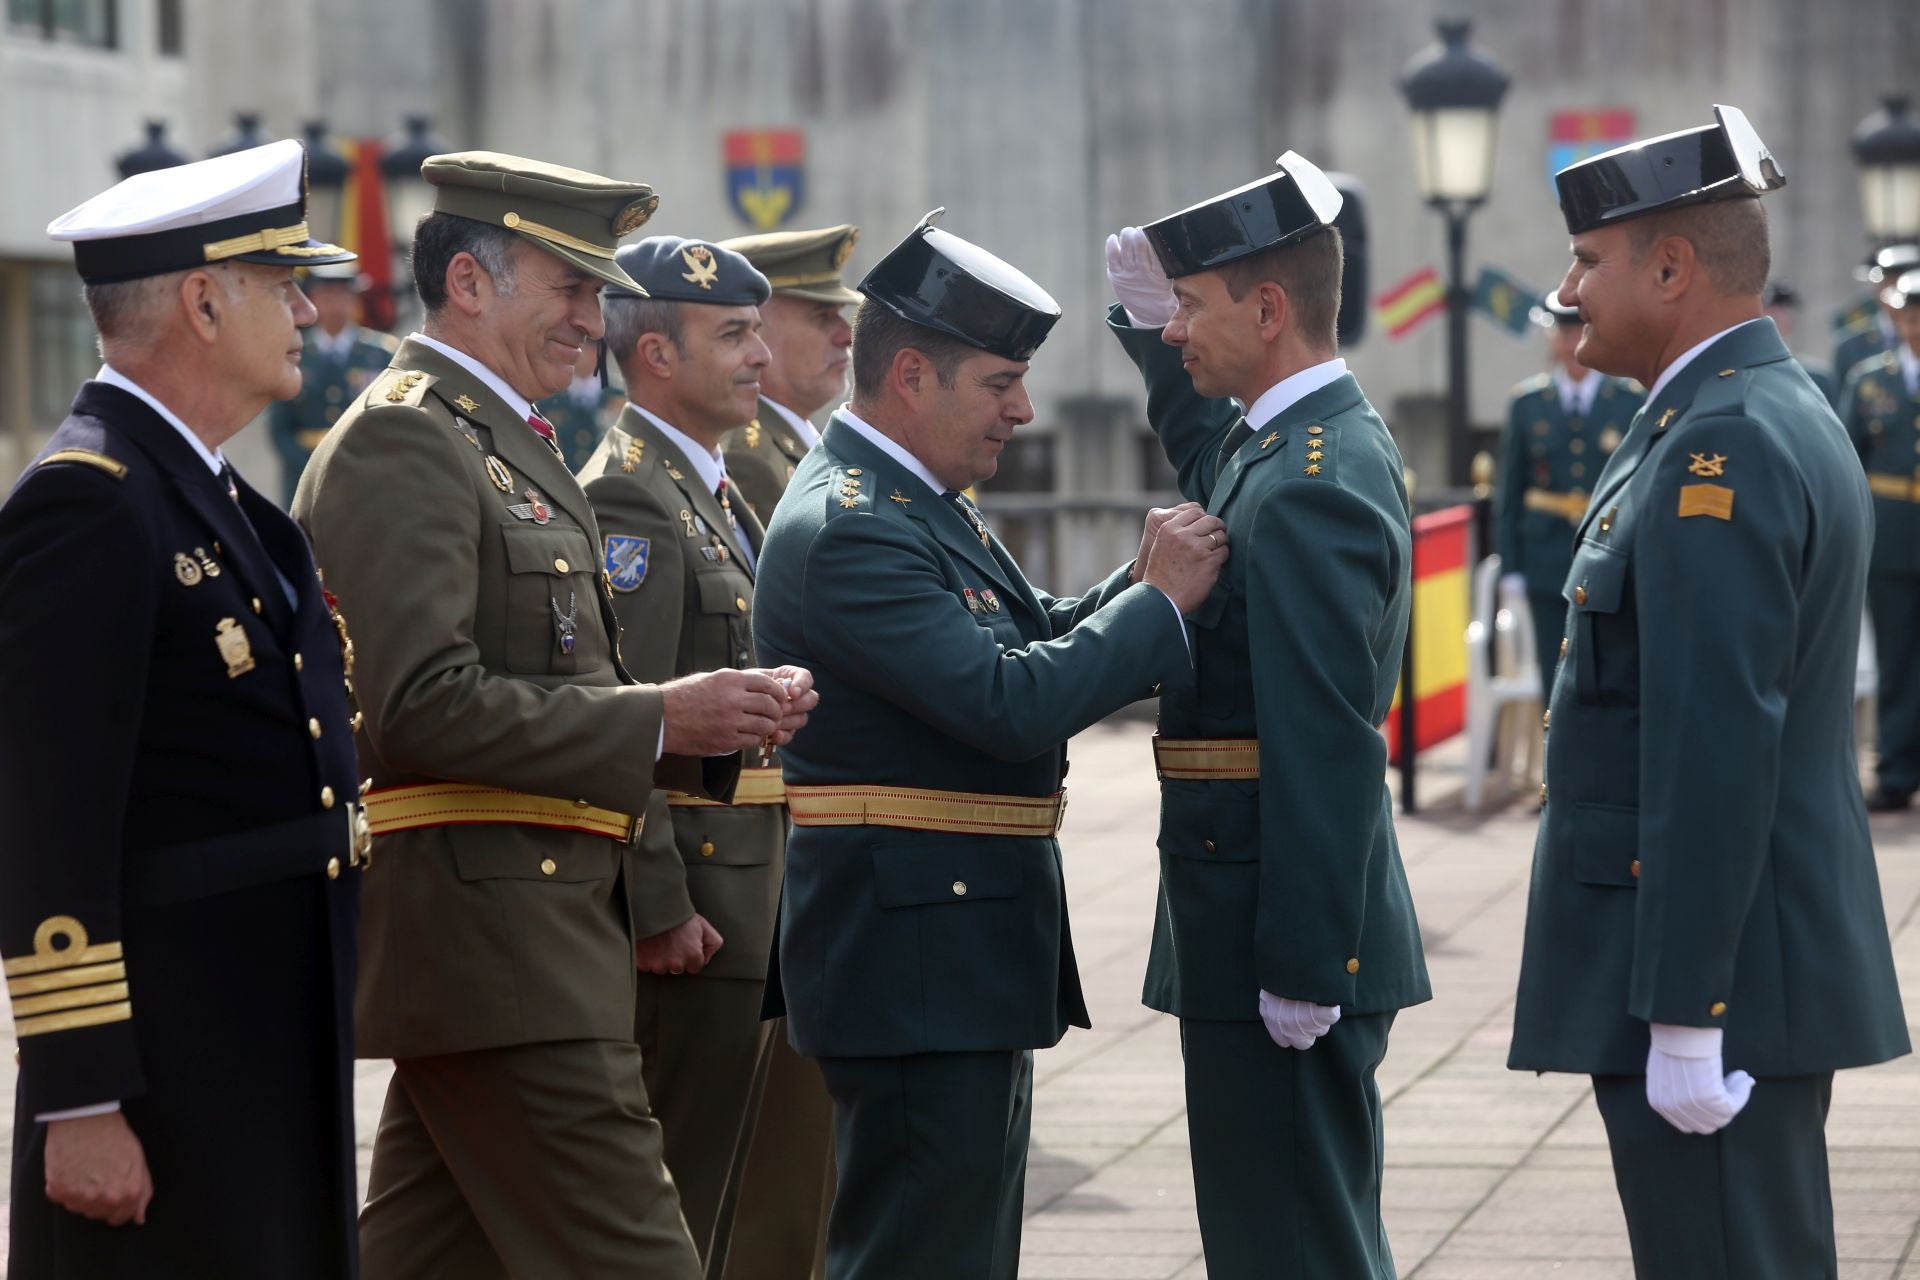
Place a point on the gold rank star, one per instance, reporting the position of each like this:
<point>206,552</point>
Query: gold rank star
<point>1312,468</point>
<point>849,502</point>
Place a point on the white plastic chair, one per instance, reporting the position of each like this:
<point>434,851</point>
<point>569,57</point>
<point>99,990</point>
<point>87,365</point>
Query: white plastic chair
<point>1510,623</point>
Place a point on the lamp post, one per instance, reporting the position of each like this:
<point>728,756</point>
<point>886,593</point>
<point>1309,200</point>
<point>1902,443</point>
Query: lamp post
<point>326,183</point>
<point>154,153</point>
<point>1886,146</point>
<point>1454,92</point>
<point>246,133</point>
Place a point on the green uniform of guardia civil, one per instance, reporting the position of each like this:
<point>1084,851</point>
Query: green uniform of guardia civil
<point>762,457</point>
<point>1861,342</point>
<point>578,425</point>
<point>1883,418</point>
<point>1703,857</point>
<point>328,386</point>
<point>496,960</point>
<point>689,609</point>
<point>1554,453</point>
<point>1290,883</point>
<point>922,967</point>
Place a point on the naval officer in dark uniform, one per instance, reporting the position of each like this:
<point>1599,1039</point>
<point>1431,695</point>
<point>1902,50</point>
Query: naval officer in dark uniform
<point>1704,934</point>
<point>923,951</point>
<point>1562,426</point>
<point>1881,411</point>
<point>179,881</point>
<point>1285,939</point>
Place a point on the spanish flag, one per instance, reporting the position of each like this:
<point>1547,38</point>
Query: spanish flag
<point>1405,305</point>
<point>1440,615</point>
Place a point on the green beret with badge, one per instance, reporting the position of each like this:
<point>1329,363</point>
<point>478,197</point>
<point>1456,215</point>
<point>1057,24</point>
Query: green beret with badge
<point>803,264</point>
<point>572,214</point>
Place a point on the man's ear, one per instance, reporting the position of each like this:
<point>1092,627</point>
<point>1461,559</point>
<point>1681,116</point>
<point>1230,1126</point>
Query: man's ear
<point>1674,266</point>
<point>1275,307</point>
<point>656,355</point>
<point>467,284</point>
<point>204,303</point>
<point>910,375</point>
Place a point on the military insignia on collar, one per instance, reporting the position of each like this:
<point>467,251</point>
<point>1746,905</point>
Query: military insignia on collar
<point>704,269</point>
<point>1702,465</point>
<point>626,561</point>
<point>498,473</point>
<point>465,428</point>
<point>533,508</point>
<point>467,403</point>
<point>845,250</point>
<point>674,472</point>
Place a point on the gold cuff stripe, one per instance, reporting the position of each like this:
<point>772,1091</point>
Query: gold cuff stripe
<point>65,978</point>
<point>272,238</point>
<point>1571,507</point>
<point>78,998</point>
<point>448,804</point>
<point>99,1015</point>
<point>757,786</point>
<point>811,277</point>
<point>1207,759</point>
<point>515,222</point>
<point>966,812</point>
<point>46,956</point>
<point>1888,486</point>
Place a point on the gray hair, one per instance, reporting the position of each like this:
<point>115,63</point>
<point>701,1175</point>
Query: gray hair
<point>441,237</point>
<point>129,314</point>
<point>629,319</point>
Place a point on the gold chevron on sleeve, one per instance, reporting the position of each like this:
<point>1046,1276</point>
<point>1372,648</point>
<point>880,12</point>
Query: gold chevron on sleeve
<point>60,943</point>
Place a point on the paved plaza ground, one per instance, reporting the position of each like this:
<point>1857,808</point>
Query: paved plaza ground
<point>1491,1175</point>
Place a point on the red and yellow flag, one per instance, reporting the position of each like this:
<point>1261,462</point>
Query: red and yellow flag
<point>1440,615</point>
<point>1404,306</point>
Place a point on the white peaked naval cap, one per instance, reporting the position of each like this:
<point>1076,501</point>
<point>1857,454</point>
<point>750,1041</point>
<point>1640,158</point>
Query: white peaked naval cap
<point>247,206</point>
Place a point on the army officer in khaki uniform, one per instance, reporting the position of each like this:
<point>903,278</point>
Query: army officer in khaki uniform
<point>512,757</point>
<point>806,329</point>
<point>680,551</point>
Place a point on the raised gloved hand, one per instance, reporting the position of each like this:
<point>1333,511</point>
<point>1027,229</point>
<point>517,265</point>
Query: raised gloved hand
<point>1684,1080</point>
<point>1296,1024</point>
<point>1139,281</point>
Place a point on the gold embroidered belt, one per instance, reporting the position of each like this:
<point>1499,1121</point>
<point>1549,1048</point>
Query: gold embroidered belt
<point>1894,487</point>
<point>1206,759</point>
<point>966,812</point>
<point>451,804</point>
<point>1571,507</point>
<point>757,786</point>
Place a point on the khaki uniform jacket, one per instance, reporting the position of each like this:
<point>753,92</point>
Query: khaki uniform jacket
<point>458,536</point>
<point>684,596</point>
<point>761,459</point>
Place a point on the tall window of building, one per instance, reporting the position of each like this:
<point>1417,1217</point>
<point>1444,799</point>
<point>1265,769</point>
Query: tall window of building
<point>87,22</point>
<point>168,21</point>
<point>60,342</point>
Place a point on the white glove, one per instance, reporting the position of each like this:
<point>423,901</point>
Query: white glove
<point>1684,1080</point>
<point>1513,583</point>
<point>1139,281</point>
<point>1296,1024</point>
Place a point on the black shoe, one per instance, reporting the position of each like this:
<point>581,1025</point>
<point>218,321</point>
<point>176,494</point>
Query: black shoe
<point>1887,800</point>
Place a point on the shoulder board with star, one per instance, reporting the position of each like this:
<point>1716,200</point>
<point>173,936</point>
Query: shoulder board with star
<point>849,491</point>
<point>1315,455</point>
<point>398,386</point>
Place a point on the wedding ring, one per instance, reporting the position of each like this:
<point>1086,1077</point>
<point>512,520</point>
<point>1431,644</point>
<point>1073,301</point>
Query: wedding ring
<point>1213,542</point>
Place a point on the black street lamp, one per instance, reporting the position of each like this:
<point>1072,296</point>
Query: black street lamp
<point>1886,146</point>
<point>246,133</point>
<point>326,183</point>
<point>152,154</point>
<point>1454,92</point>
<point>409,196</point>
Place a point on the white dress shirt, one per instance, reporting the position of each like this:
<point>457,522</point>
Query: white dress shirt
<point>801,427</point>
<point>711,466</point>
<point>495,383</point>
<point>1292,389</point>
<point>1576,397</point>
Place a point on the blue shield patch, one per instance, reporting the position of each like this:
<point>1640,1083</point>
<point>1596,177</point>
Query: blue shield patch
<point>766,175</point>
<point>626,561</point>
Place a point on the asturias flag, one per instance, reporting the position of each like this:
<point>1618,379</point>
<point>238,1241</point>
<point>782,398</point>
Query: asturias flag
<point>766,174</point>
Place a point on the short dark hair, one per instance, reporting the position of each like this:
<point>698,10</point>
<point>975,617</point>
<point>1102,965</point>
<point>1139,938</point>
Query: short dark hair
<point>1729,239</point>
<point>1309,272</point>
<point>880,334</point>
<point>441,237</point>
<point>629,319</point>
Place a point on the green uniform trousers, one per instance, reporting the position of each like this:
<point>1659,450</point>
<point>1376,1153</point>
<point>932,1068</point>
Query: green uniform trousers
<point>1549,610</point>
<point>534,1160</point>
<point>705,1050</point>
<point>780,1224</point>
<point>1893,602</point>
<point>1751,1202</point>
<point>933,1165</point>
<point>1287,1150</point>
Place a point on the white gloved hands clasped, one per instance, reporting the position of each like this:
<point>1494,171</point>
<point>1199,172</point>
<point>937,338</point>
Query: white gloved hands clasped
<point>1685,1083</point>
<point>1139,281</point>
<point>1296,1024</point>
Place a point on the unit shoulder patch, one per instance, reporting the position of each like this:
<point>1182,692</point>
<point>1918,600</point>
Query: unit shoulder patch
<point>88,458</point>
<point>626,561</point>
<point>1714,500</point>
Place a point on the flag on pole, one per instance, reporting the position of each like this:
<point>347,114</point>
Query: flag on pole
<point>363,229</point>
<point>1405,305</point>
<point>1505,300</point>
